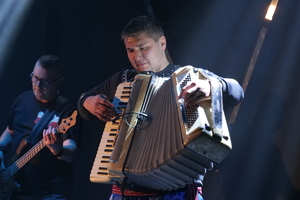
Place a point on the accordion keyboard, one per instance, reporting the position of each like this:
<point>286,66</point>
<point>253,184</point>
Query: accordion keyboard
<point>99,172</point>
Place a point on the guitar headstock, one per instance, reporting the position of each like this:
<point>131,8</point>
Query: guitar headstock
<point>66,123</point>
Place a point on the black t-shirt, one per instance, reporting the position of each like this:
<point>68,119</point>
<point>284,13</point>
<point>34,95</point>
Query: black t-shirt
<point>44,171</point>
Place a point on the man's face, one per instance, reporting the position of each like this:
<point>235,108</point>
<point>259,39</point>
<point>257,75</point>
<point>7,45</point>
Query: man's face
<point>145,54</point>
<point>45,83</point>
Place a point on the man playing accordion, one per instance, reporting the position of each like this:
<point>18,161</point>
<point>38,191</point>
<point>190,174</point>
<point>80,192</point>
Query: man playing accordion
<point>146,49</point>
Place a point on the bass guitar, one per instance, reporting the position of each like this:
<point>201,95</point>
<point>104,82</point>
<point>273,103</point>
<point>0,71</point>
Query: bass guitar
<point>8,185</point>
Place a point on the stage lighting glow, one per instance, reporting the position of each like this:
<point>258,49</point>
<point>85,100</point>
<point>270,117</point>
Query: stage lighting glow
<point>12,14</point>
<point>271,10</point>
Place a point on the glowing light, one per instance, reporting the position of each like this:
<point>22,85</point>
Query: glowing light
<point>12,14</point>
<point>271,10</point>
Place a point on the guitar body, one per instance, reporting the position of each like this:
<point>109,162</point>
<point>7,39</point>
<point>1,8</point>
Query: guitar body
<point>24,146</point>
<point>23,156</point>
<point>8,186</point>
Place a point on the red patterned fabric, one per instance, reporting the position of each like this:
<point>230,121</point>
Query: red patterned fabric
<point>117,190</point>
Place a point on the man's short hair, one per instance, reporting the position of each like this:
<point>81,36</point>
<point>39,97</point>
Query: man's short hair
<point>139,24</point>
<point>51,62</point>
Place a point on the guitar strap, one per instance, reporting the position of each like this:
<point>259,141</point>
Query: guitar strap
<point>42,123</point>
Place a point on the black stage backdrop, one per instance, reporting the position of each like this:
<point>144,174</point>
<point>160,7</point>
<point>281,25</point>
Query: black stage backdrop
<point>221,36</point>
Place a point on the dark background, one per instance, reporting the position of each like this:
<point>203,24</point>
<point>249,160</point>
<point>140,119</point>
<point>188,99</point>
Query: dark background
<point>219,35</point>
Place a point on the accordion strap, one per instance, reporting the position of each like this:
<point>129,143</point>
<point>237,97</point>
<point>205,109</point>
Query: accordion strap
<point>216,103</point>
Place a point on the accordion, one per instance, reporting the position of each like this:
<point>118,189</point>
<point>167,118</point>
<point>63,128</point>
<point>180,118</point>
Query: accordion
<point>157,142</point>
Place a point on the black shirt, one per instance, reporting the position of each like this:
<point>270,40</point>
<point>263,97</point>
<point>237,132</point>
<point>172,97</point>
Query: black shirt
<point>44,171</point>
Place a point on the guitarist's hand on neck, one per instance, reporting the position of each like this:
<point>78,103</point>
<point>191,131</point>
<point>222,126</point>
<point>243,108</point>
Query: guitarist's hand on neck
<point>53,140</point>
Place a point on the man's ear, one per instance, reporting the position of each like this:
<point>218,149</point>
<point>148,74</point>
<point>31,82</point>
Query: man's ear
<point>163,42</point>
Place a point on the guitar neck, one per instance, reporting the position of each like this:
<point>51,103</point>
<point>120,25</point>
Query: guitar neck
<point>30,154</point>
<point>25,158</point>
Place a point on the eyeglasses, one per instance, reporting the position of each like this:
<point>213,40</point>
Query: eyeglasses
<point>42,82</point>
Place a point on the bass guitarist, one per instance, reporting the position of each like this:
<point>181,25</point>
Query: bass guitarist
<point>36,116</point>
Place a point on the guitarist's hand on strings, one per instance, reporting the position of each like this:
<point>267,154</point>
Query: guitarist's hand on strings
<point>195,92</point>
<point>53,140</point>
<point>100,106</point>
